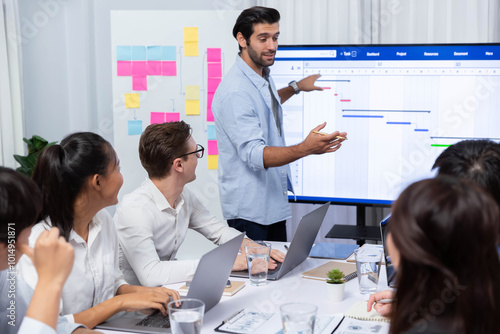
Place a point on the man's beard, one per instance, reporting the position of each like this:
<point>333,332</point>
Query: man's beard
<point>258,60</point>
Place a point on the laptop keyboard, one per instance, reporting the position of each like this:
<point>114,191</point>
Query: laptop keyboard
<point>157,319</point>
<point>270,272</point>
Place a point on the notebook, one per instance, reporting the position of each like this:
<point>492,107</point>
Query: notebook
<point>319,273</point>
<point>228,290</point>
<point>358,311</point>
<point>299,247</point>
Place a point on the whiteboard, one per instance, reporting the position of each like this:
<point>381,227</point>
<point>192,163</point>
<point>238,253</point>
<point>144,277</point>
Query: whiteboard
<point>167,93</point>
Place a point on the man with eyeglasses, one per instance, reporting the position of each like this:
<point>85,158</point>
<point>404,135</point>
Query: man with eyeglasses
<point>153,220</point>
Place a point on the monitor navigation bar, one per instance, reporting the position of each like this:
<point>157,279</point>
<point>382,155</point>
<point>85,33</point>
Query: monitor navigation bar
<point>384,52</point>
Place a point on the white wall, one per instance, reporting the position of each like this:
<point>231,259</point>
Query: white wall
<point>66,61</point>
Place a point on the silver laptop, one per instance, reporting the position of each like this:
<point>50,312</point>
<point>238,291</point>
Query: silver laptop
<point>300,246</point>
<point>389,268</point>
<point>208,285</point>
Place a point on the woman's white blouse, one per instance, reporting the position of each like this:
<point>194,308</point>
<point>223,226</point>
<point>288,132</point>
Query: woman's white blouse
<point>96,275</point>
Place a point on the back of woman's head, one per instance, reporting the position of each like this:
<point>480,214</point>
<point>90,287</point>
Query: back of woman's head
<point>445,232</point>
<point>475,160</point>
<point>20,203</point>
<point>63,170</point>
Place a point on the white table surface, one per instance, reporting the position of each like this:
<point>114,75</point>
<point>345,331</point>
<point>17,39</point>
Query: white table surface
<point>290,288</point>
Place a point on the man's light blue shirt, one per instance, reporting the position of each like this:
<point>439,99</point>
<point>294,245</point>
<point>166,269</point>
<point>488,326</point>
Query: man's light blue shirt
<point>245,124</point>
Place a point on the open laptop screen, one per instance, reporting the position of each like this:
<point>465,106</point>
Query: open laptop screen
<point>389,268</point>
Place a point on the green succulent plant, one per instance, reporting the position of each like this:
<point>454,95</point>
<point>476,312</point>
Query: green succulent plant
<point>335,276</point>
<point>35,146</point>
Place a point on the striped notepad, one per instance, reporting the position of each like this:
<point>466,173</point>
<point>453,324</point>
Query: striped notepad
<point>358,311</point>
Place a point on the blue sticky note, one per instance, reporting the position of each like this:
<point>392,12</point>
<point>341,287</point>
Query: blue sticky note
<point>134,128</point>
<point>123,53</point>
<point>168,53</point>
<point>211,132</point>
<point>138,53</point>
<point>154,53</point>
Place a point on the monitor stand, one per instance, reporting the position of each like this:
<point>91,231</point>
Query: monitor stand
<point>360,232</point>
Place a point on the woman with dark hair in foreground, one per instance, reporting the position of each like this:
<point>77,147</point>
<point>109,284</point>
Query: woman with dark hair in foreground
<point>442,241</point>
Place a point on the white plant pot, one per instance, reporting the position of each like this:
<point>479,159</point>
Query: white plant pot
<point>335,292</point>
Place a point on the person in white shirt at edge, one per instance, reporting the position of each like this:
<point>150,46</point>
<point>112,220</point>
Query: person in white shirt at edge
<point>20,204</point>
<point>78,179</point>
<point>153,220</point>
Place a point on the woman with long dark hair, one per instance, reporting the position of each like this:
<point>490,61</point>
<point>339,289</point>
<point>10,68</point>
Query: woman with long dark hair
<point>78,179</point>
<point>442,242</point>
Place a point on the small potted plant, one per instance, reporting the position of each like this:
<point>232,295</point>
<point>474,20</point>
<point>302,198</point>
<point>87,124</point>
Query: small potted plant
<point>335,285</point>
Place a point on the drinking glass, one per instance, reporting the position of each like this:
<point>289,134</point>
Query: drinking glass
<point>186,316</point>
<point>258,254</point>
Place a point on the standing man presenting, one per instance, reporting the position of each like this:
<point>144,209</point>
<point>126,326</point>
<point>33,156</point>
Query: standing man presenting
<point>254,176</point>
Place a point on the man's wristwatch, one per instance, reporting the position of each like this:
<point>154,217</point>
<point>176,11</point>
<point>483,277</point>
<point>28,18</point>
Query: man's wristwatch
<point>294,85</point>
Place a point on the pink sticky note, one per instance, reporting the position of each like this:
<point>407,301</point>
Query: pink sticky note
<point>210,98</point>
<point>153,67</point>
<point>157,117</point>
<point>168,68</point>
<point>173,117</point>
<point>139,68</point>
<point>210,114</point>
<point>212,84</point>
<point>214,70</point>
<point>139,82</point>
<point>214,55</point>
<point>212,147</point>
<point>123,68</point>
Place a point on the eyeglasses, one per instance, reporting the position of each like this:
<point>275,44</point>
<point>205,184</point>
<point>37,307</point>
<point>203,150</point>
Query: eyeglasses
<point>199,152</point>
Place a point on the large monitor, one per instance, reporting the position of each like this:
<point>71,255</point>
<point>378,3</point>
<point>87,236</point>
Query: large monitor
<point>401,106</point>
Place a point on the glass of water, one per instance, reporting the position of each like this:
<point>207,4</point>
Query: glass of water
<point>258,254</point>
<point>368,262</point>
<point>298,318</point>
<point>186,316</point>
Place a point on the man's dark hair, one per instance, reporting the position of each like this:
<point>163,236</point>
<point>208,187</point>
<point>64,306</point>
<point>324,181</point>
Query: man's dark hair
<point>252,15</point>
<point>20,203</point>
<point>475,160</point>
<point>161,144</point>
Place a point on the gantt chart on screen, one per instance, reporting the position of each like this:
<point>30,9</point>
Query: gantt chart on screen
<point>401,106</point>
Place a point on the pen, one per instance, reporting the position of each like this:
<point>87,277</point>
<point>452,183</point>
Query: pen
<point>384,301</point>
<point>286,247</point>
<point>324,134</point>
<point>232,316</point>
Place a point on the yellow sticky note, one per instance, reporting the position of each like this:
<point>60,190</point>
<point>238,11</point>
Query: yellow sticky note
<point>191,49</point>
<point>132,100</point>
<point>190,34</point>
<point>213,161</point>
<point>193,92</point>
<point>192,107</point>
